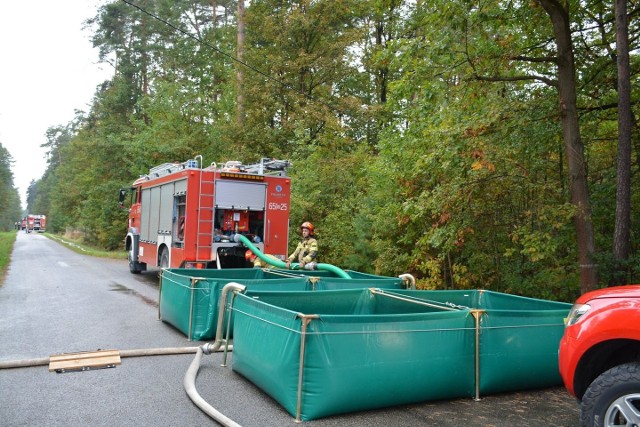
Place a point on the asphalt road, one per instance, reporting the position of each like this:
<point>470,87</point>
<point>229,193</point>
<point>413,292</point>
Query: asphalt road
<point>55,301</point>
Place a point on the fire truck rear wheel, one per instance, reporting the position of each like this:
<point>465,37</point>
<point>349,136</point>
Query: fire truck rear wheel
<point>164,258</point>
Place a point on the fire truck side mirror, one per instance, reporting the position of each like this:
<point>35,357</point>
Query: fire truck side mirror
<point>122,194</point>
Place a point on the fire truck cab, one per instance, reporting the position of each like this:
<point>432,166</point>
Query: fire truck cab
<point>183,215</point>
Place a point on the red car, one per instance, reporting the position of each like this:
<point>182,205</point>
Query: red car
<point>599,356</point>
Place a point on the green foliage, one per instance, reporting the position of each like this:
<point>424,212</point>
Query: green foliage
<point>330,191</point>
<point>425,136</point>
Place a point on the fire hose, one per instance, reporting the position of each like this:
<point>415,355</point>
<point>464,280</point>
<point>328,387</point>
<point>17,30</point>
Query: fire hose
<point>208,348</point>
<point>239,238</point>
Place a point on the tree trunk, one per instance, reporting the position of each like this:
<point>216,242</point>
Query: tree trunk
<point>621,235</point>
<point>381,75</point>
<point>214,17</point>
<point>574,147</point>
<point>239,72</point>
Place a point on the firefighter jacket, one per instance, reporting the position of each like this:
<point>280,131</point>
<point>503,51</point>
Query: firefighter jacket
<point>306,251</point>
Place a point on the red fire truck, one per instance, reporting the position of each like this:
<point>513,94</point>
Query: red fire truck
<point>184,215</point>
<point>35,223</point>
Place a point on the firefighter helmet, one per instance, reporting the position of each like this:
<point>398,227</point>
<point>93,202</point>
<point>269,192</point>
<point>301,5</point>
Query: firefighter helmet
<point>308,226</point>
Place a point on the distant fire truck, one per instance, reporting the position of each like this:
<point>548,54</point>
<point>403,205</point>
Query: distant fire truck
<point>184,215</point>
<point>36,223</point>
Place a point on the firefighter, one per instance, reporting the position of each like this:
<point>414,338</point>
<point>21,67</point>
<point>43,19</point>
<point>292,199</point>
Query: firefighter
<point>252,258</point>
<point>307,250</point>
<point>256,261</point>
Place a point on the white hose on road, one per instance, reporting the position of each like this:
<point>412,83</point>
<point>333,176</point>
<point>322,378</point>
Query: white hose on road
<point>189,381</point>
<point>23,363</point>
<point>141,352</point>
<point>190,388</point>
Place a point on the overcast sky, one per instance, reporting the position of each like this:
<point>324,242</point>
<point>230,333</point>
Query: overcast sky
<point>48,71</point>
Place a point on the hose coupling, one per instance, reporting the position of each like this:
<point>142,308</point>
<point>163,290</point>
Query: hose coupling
<point>208,348</point>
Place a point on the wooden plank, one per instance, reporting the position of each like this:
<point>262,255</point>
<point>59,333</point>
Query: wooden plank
<point>84,361</point>
<point>84,355</point>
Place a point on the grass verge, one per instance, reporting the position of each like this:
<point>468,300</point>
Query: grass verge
<point>7,238</point>
<point>81,248</point>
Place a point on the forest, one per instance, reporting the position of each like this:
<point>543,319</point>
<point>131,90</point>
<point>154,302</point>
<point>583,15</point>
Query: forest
<point>10,206</point>
<point>490,144</point>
